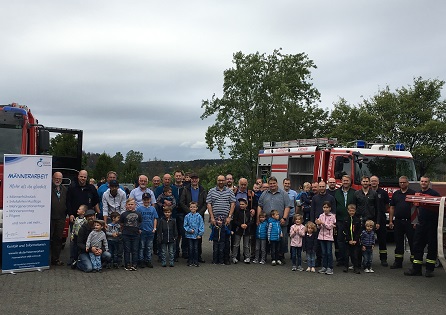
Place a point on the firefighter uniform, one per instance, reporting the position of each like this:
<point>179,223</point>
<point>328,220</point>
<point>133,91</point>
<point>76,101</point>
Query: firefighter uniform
<point>402,225</point>
<point>381,233</point>
<point>425,233</point>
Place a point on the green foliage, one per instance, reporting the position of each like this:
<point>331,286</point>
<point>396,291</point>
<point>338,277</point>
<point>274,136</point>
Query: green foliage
<point>104,164</point>
<point>265,98</point>
<point>118,160</point>
<point>64,144</point>
<point>132,166</point>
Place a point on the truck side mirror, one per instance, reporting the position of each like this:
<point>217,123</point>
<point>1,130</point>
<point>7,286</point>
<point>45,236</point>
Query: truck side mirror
<point>44,141</point>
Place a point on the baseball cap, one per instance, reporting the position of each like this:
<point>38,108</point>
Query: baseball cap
<point>146,196</point>
<point>89,212</point>
<point>113,183</point>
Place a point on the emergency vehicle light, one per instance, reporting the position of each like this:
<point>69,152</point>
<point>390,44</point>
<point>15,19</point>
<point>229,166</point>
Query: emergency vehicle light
<point>360,144</point>
<point>14,110</point>
<point>400,147</point>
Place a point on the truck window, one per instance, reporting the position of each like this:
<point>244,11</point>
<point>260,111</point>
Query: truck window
<point>10,141</point>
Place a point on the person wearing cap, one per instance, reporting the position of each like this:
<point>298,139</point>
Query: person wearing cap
<point>243,224</point>
<point>193,192</point>
<point>84,262</point>
<point>147,228</point>
<point>113,199</point>
<point>111,176</point>
<point>96,239</point>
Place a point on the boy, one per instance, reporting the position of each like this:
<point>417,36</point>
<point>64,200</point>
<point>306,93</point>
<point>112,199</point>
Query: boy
<point>243,223</point>
<point>130,221</point>
<point>114,240</point>
<point>78,222</point>
<point>148,229</point>
<point>261,237</point>
<point>274,236</point>
<point>194,229</point>
<point>219,234</point>
<point>167,235</point>
<point>351,228</point>
<point>368,243</point>
<point>166,196</point>
<point>96,238</point>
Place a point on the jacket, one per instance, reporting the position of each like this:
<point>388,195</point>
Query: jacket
<point>219,233</point>
<point>309,242</point>
<point>326,227</point>
<point>243,217</point>
<point>274,230</point>
<point>351,228</point>
<point>167,231</point>
<point>186,198</point>
<point>297,232</point>
<point>341,203</point>
<point>262,230</point>
<point>367,238</point>
<point>58,203</point>
<point>193,221</point>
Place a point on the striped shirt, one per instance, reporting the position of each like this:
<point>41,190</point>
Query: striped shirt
<point>220,200</point>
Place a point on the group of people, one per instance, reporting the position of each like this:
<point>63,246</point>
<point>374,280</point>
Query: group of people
<point>111,229</point>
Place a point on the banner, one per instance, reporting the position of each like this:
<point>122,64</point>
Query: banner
<point>26,212</point>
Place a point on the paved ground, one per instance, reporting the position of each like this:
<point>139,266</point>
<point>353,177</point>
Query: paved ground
<point>211,289</point>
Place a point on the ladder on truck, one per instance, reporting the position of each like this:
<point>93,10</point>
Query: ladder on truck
<point>320,142</point>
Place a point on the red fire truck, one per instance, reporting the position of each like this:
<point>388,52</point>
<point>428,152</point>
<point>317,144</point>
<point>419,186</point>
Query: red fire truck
<point>21,133</point>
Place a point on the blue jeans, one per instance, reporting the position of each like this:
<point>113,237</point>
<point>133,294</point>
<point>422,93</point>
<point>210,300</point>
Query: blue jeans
<point>131,246</point>
<point>218,252</point>
<point>193,251</point>
<point>275,247</point>
<point>311,259</point>
<point>367,254</point>
<point>260,250</point>
<point>145,246</point>
<point>170,247</point>
<point>115,248</point>
<point>327,254</point>
<point>296,252</point>
<point>84,262</point>
<point>96,263</point>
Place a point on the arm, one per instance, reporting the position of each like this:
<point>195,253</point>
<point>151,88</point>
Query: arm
<point>155,223</point>
<point>201,227</point>
<point>391,214</point>
<point>183,201</point>
<point>104,207</point>
<point>211,213</point>
<point>231,212</point>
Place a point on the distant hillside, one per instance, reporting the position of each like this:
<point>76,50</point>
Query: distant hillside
<point>161,167</point>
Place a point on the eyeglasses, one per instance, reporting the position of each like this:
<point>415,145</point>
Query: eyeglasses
<point>403,182</point>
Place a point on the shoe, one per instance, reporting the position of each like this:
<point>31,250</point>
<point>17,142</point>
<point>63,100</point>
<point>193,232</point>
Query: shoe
<point>262,262</point>
<point>294,268</point>
<point>357,271</point>
<point>273,263</point>
<point>322,270</point>
<point>329,271</point>
<point>413,272</point>
<point>350,268</point>
<point>149,264</point>
<point>366,270</point>
<point>57,262</point>
<point>255,261</point>
<point>280,263</point>
<point>371,270</point>
<point>345,270</point>
<point>128,268</point>
<point>299,268</point>
<point>247,261</point>
<point>196,265</point>
<point>313,269</point>
<point>222,264</point>
<point>116,266</point>
<point>308,269</point>
<point>134,268</point>
<point>170,265</point>
<point>141,265</point>
<point>340,264</point>
<point>227,263</point>
<point>73,264</point>
<point>189,265</point>
<point>384,263</point>
<point>201,261</point>
<point>234,260</point>
<point>396,266</point>
<point>429,274</point>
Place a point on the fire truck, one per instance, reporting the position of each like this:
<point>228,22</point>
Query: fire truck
<point>309,160</point>
<point>21,133</point>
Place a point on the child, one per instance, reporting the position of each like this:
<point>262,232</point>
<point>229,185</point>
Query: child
<point>274,236</point>
<point>166,196</point>
<point>148,228</point>
<point>261,237</point>
<point>167,236</point>
<point>326,223</point>
<point>96,238</point>
<point>114,240</point>
<point>78,222</point>
<point>243,222</point>
<point>130,221</point>
<point>297,232</point>
<point>219,233</point>
<point>305,201</point>
<point>194,229</point>
<point>309,244</point>
<point>368,243</point>
<point>352,231</point>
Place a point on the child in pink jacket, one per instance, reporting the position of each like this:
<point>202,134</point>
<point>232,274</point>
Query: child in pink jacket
<point>297,232</point>
<point>326,223</point>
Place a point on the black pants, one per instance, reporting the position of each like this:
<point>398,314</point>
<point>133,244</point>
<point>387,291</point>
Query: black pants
<point>402,227</point>
<point>56,231</point>
<point>381,234</point>
<point>425,234</point>
<point>353,252</point>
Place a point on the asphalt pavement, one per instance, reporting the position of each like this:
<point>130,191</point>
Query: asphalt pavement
<point>214,289</point>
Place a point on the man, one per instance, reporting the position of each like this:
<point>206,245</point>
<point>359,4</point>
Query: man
<point>221,203</point>
<point>401,220</point>
<point>317,203</point>
<point>142,188</point>
<point>113,199</point>
<point>331,186</point>
<point>81,193</point>
<point>230,182</point>
<point>177,189</point>
<point>381,229</point>
<point>58,215</point>
<point>111,175</point>
<point>343,197</point>
<point>314,189</point>
<point>84,263</point>
<point>425,234</point>
<point>275,198</point>
<point>292,194</point>
<point>366,201</point>
<point>156,182</point>
<point>193,192</point>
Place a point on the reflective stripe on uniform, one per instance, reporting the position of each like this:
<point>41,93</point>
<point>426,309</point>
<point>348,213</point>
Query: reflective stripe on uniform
<point>419,262</point>
<point>430,261</point>
<point>399,256</point>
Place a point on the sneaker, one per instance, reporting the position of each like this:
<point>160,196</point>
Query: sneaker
<point>308,269</point>
<point>73,264</point>
<point>299,268</point>
<point>279,262</point>
<point>322,270</point>
<point>247,261</point>
<point>134,268</point>
<point>255,261</point>
<point>313,269</point>
<point>234,260</point>
<point>189,264</point>
<point>350,268</point>
<point>196,265</point>
<point>116,266</point>
<point>329,271</point>
<point>294,268</point>
<point>149,264</point>
<point>262,262</point>
<point>170,265</point>
<point>273,263</point>
<point>345,270</point>
<point>366,270</point>
<point>357,271</point>
<point>163,264</point>
<point>128,268</point>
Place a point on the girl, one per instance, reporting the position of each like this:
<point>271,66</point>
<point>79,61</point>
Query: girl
<point>305,199</point>
<point>309,244</point>
<point>297,232</point>
<point>326,222</point>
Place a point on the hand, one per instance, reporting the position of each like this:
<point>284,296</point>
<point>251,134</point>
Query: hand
<point>377,226</point>
<point>252,212</point>
<point>192,231</point>
<point>71,218</point>
<point>363,248</point>
<point>198,237</point>
<point>391,225</point>
<point>243,226</point>
<point>228,220</point>
<point>318,221</point>
<point>212,221</point>
<point>282,221</point>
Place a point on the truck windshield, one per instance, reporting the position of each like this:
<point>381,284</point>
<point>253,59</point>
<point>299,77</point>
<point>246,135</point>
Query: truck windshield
<point>387,168</point>
<point>10,141</point>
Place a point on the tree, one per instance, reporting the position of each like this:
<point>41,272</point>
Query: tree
<point>104,164</point>
<point>118,160</point>
<point>132,166</point>
<point>64,144</point>
<point>265,98</point>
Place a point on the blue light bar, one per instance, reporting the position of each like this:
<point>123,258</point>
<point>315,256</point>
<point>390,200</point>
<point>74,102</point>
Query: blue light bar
<point>400,147</point>
<point>360,144</point>
<point>14,110</point>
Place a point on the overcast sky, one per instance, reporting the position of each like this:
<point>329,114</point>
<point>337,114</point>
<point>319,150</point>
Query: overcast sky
<point>132,74</point>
